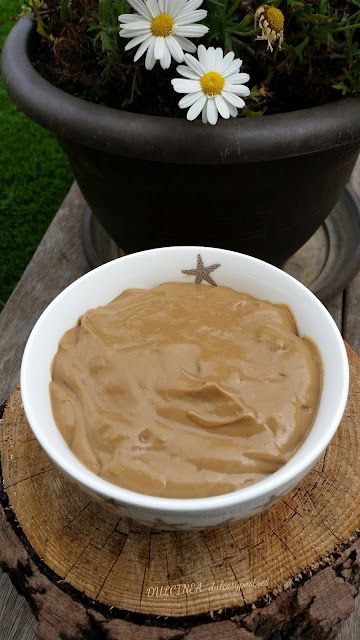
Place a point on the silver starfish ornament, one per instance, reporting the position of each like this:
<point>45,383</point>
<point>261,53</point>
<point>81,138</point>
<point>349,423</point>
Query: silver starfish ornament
<point>201,272</point>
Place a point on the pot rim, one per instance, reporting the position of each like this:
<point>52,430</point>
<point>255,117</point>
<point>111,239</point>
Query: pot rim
<point>173,140</point>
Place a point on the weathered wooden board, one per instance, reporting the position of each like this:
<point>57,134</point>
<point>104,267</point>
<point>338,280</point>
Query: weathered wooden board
<point>351,314</point>
<point>40,283</point>
<point>58,261</point>
<point>299,557</point>
<point>16,619</point>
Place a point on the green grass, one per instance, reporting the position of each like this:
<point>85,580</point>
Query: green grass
<point>34,179</point>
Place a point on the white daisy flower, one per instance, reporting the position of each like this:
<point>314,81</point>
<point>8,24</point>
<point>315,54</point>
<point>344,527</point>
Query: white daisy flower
<point>212,83</point>
<point>162,29</point>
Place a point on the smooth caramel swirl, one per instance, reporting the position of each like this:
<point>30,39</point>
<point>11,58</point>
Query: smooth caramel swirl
<point>185,390</point>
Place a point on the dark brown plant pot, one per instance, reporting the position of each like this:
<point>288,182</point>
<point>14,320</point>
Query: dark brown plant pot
<point>260,186</point>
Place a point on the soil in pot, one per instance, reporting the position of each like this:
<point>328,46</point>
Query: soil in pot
<point>261,186</point>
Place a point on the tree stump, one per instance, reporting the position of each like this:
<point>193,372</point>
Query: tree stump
<point>291,572</point>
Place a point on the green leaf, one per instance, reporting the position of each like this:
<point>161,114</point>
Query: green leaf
<point>249,113</point>
<point>341,86</point>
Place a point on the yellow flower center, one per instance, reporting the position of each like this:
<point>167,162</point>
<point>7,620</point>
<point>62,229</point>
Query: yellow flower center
<point>162,25</point>
<point>212,83</point>
<point>275,18</point>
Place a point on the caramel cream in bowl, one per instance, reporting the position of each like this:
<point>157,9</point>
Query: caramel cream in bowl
<point>185,390</point>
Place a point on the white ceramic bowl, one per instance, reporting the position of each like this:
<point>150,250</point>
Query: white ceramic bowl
<point>148,269</point>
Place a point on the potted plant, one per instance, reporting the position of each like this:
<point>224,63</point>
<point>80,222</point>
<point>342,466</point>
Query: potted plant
<point>137,127</point>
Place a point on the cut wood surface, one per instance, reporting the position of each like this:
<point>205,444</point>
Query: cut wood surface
<point>83,567</point>
<point>58,261</point>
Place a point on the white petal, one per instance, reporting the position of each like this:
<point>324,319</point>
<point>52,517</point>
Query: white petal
<point>196,108</point>
<point>222,107</point>
<point>190,18</point>
<point>210,62</point>
<point>185,86</point>
<point>150,59</point>
<point>176,7</point>
<point>166,58</point>
<point>159,47</point>
<point>233,99</point>
<point>137,24</point>
<point>226,61</point>
<point>135,32</point>
<point>219,55</point>
<point>138,40</point>
<point>188,100</point>
<point>238,78</point>
<point>153,8</point>
<point>184,7</point>
<point>175,49</point>
<point>185,71</point>
<point>237,89</point>
<point>143,47</point>
<point>194,64</point>
<point>185,44</point>
<point>204,114</point>
<point>232,68</point>
<point>191,31</point>
<point>232,110</point>
<point>212,112</point>
<point>140,7</point>
<point>202,55</point>
<point>130,17</point>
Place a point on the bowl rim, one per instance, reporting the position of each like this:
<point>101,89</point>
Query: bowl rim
<point>109,491</point>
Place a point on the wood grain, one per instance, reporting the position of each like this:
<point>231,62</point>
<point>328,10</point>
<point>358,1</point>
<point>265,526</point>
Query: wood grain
<point>45,275</point>
<point>58,261</point>
<point>299,556</point>
<point>351,328</point>
<point>335,308</point>
<point>16,619</point>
